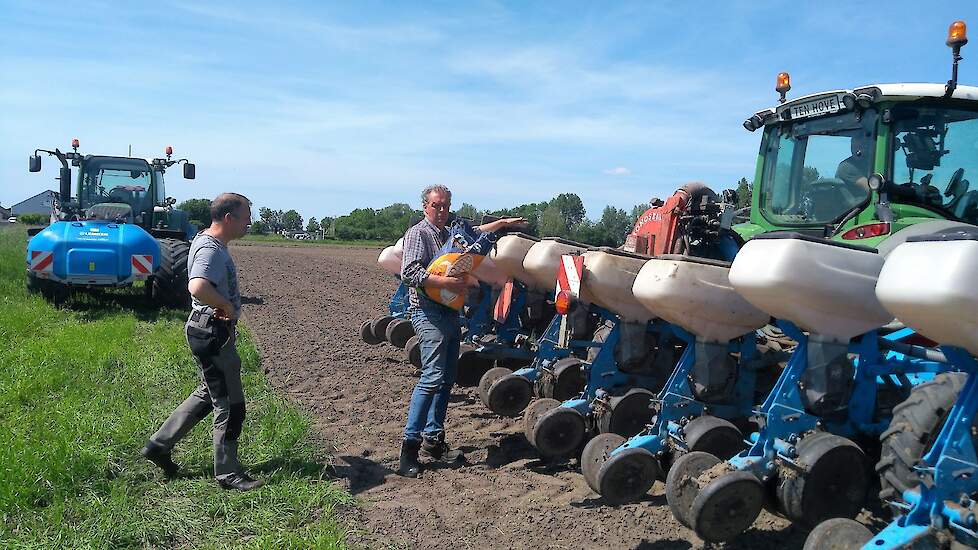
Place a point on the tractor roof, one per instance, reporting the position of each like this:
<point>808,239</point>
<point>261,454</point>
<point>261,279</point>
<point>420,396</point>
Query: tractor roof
<point>908,91</point>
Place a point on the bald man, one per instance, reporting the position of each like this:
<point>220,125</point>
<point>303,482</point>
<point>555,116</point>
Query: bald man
<point>211,333</point>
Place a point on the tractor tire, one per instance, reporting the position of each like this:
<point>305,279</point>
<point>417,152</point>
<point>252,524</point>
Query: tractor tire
<point>171,279</point>
<point>33,284</point>
<point>915,425</point>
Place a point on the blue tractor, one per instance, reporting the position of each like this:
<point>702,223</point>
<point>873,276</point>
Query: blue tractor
<point>118,228</point>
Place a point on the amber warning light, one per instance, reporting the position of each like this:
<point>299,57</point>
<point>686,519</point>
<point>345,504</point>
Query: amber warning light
<point>783,85</point>
<point>74,143</point>
<point>957,34</point>
<point>169,150</point>
<point>563,302</point>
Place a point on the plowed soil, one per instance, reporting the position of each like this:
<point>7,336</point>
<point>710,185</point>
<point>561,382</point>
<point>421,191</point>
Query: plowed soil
<point>305,306</point>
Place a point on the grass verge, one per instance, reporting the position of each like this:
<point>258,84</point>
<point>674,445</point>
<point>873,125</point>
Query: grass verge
<point>82,388</point>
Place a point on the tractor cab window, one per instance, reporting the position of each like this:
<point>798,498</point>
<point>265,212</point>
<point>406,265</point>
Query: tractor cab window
<point>816,171</point>
<point>160,189</point>
<point>116,181</point>
<point>935,153</point>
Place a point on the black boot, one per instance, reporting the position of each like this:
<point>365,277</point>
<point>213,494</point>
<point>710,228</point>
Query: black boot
<point>409,465</point>
<point>240,481</point>
<point>161,458</point>
<point>437,449</point>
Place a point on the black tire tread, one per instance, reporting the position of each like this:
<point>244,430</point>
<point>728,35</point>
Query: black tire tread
<point>916,422</point>
<point>171,278</point>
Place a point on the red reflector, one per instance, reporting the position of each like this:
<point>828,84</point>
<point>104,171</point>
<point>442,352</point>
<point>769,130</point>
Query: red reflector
<point>563,302</point>
<point>866,231</point>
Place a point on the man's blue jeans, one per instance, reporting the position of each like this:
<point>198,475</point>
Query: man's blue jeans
<point>439,335</point>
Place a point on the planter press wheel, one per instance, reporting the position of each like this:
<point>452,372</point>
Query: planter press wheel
<point>398,332</point>
<point>487,379</point>
<point>629,414</point>
<point>596,454</point>
<point>833,484</point>
<point>838,534</point>
<point>533,413</point>
<point>727,506</point>
<point>628,475</point>
<point>379,327</point>
<point>559,432</point>
<point>681,486</point>
<point>367,335</point>
<point>713,435</point>
<point>472,365</point>
<point>509,394</point>
<point>569,379</point>
<point>413,351</point>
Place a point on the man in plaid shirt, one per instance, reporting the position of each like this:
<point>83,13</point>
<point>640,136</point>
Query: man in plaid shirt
<point>437,327</point>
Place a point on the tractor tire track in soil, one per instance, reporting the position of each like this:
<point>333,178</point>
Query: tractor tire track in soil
<point>305,305</point>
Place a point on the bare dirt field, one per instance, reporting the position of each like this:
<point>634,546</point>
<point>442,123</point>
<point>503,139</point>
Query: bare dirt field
<point>305,306</point>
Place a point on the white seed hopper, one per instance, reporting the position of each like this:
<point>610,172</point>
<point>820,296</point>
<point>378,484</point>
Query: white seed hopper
<point>390,257</point>
<point>609,274</point>
<point>542,262</point>
<point>509,252</point>
<point>696,294</point>
<point>825,287</point>
<point>932,286</point>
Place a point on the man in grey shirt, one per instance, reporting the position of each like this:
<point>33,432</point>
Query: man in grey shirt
<point>437,328</point>
<point>210,331</point>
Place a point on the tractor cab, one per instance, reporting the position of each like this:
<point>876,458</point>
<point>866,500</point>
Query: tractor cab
<point>117,189</point>
<point>863,164</point>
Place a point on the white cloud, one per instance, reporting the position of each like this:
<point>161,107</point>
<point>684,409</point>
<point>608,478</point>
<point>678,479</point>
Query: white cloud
<point>618,171</point>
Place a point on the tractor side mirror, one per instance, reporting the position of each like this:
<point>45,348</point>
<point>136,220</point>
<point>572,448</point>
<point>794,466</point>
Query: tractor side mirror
<point>189,170</point>
<point>65,180</point>
<point>35,163</point>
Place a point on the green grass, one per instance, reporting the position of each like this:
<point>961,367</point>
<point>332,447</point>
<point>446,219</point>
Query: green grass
<point>82,388</point>
<point>280,240</point>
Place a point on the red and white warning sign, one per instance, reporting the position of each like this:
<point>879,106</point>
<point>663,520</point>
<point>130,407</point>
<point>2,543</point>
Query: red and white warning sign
<point>42,261</point>
<point>142,264</point>
<point>569,275</point>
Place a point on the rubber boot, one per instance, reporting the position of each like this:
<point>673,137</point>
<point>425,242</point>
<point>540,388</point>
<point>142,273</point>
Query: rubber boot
<point>409,465</point>
<point>437,449</point>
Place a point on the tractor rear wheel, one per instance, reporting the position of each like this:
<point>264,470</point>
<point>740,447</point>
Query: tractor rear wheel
<point>913,429</point>
<point>170,280</point>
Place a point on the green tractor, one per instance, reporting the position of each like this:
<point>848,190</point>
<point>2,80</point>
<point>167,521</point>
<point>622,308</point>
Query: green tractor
<point>118,228</point>
<point>870,166</point>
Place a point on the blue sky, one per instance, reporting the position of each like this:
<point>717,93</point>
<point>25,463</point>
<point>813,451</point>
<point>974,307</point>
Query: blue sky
<point>325,107</point>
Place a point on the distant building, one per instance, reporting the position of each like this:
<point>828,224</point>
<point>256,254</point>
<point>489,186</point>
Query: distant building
<point>40,203</point>
<point>4,213</point>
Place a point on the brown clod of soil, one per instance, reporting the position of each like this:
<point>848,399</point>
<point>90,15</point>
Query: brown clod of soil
<point>305,306</point>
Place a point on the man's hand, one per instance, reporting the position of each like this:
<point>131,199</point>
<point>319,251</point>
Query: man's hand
<point>456,285</point>
<point>205,292</point>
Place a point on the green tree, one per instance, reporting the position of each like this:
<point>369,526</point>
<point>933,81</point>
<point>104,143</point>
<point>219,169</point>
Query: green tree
<point>292,221</point>
<point>198,211</point>
<point>552,223</point>
<point>258,227</point>
<point>326,224</point>
<point>615,223</point>
<point>312,226</point>
<point>469,211</point>
<point>271,218</point>
<point>744,192</point>
<point>571,209</point>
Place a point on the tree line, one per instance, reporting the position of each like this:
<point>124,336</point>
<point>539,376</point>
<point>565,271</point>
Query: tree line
<point>562,216</point>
